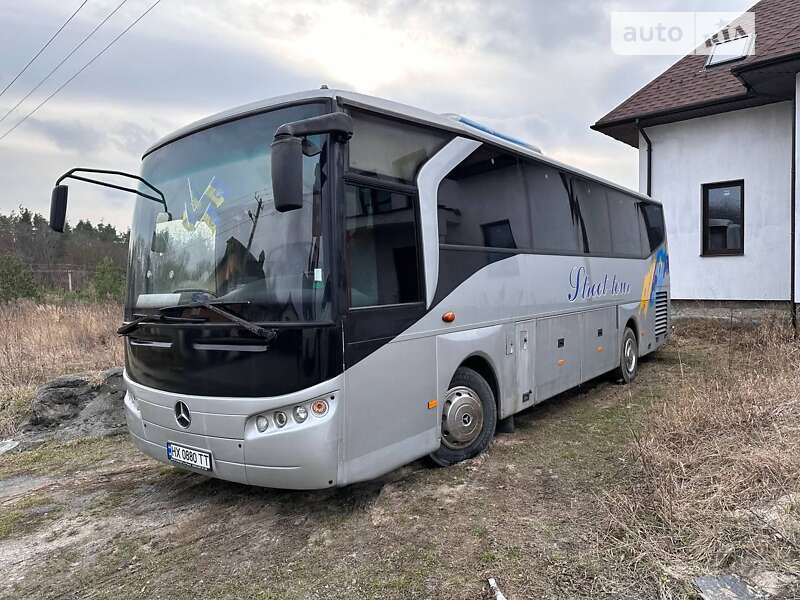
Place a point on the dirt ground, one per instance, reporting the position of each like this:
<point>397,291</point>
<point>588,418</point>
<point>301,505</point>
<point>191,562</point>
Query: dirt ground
<point>95,519</point>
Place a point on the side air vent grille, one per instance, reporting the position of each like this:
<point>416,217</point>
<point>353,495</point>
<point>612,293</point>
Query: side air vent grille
<point>661,313</point>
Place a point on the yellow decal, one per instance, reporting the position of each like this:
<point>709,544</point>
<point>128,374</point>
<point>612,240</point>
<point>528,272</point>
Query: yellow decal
<point>647,287</point>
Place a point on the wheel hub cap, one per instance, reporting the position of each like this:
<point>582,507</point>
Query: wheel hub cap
<point>630,356</point>
<point>462,417</point>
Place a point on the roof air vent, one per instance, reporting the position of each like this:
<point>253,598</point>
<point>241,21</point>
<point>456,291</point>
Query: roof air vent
<point>488,130</point>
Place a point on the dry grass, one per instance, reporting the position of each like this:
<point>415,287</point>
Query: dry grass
<point>42,341</point>
<point>718,481</point>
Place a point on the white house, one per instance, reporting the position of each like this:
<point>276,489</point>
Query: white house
<point>717,140</point>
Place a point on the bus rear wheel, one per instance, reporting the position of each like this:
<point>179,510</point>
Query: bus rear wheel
<point>469,418</point>
<point>628,357</point>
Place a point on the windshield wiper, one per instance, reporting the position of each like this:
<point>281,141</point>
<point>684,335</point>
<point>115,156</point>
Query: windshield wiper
<point>267,334</point>
<point>130,327</point>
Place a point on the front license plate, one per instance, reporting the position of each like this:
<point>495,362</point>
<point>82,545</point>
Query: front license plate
<point>183,455</point>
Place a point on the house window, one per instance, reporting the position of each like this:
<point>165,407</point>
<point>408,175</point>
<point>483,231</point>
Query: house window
<point>730,50</point>
<point>723,218</point>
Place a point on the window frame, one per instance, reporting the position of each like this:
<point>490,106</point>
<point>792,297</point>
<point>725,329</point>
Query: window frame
<point>705,188</point>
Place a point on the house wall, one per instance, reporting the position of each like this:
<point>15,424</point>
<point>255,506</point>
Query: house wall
<point>797,191</point>
<point>753,144</point>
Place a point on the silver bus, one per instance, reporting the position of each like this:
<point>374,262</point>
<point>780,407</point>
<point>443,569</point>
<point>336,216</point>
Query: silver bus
<point>325,286</point>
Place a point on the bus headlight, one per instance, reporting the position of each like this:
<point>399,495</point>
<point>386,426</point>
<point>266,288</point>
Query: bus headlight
<point>300,413</point>
<point>262,423</point>
<point>280,418</point>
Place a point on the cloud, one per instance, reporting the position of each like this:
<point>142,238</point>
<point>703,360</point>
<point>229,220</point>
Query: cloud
<point>537,70</point>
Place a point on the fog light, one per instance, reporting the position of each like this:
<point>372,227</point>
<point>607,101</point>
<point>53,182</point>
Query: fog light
<point>300,413</point>
<point>280,418</point>
<point>262,423</point>
<point>319,408</point>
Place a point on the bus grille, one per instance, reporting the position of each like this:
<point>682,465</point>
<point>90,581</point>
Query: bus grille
<point>661,313</point>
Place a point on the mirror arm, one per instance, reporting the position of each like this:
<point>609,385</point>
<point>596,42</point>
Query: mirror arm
<point>117,187</point>
<point>70,175</point>
<point>338,122</point>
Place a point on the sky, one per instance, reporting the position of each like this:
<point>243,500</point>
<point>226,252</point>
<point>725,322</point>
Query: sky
<point>539,70</point>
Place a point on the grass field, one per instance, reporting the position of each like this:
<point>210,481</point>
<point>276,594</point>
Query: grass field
<point>607,491</point>
<point>42,341</point>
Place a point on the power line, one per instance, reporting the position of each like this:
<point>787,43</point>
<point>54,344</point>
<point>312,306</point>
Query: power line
<point>63,60</point>
<point>81,70</point>
<point>43,48</point>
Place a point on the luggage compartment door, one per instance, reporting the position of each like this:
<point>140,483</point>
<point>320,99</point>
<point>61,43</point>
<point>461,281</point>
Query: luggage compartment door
<point>525,333</point>
<point>600,343</point>
<point>558,354</point>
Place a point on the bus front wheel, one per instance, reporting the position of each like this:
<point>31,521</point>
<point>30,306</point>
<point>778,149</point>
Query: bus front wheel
<point>628,357</point>
<point>469,418</point>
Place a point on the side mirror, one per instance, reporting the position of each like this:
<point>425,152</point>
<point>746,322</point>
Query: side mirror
<point>159,241</point>
<point>287,173</point>
<point>289,146</point>
<point>58,208</point>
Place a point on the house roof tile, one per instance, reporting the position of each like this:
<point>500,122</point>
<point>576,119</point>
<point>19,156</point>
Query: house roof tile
<point>688,83</point>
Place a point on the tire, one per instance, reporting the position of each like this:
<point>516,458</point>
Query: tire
<point>469,418</point>
<point>628,357</point>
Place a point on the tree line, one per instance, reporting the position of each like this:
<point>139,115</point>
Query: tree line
<point>34,260</point>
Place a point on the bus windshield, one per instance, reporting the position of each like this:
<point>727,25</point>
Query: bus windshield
<point>225,242</point>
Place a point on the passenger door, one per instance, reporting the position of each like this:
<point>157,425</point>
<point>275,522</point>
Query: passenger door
<point>388,381</point>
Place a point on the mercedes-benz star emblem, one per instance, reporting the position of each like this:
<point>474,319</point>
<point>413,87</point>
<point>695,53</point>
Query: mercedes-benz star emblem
<point>182,415</point>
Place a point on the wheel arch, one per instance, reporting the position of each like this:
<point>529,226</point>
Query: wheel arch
<point>633,323</point>
<point>482,364</point>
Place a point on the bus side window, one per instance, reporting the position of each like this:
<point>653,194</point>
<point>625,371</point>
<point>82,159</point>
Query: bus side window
<point>626,237</point>
<point>653,225</point>
<point>593,206</point>
<point>554,222</point>
<point>391,150</point>
<point>482,203</point>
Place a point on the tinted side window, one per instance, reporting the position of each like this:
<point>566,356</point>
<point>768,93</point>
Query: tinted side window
<point>593,205</point>
<point>626,239</point>
<point>653,223</point>
<point>381,247</point>
<point>386,148</point>
<point>554,222</point>
<point>482,203</point>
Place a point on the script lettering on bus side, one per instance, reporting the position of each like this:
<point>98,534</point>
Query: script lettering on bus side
<point>583,287</point>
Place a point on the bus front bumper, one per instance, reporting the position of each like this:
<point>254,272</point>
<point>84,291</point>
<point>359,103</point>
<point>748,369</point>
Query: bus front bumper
<point>300,454</point>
